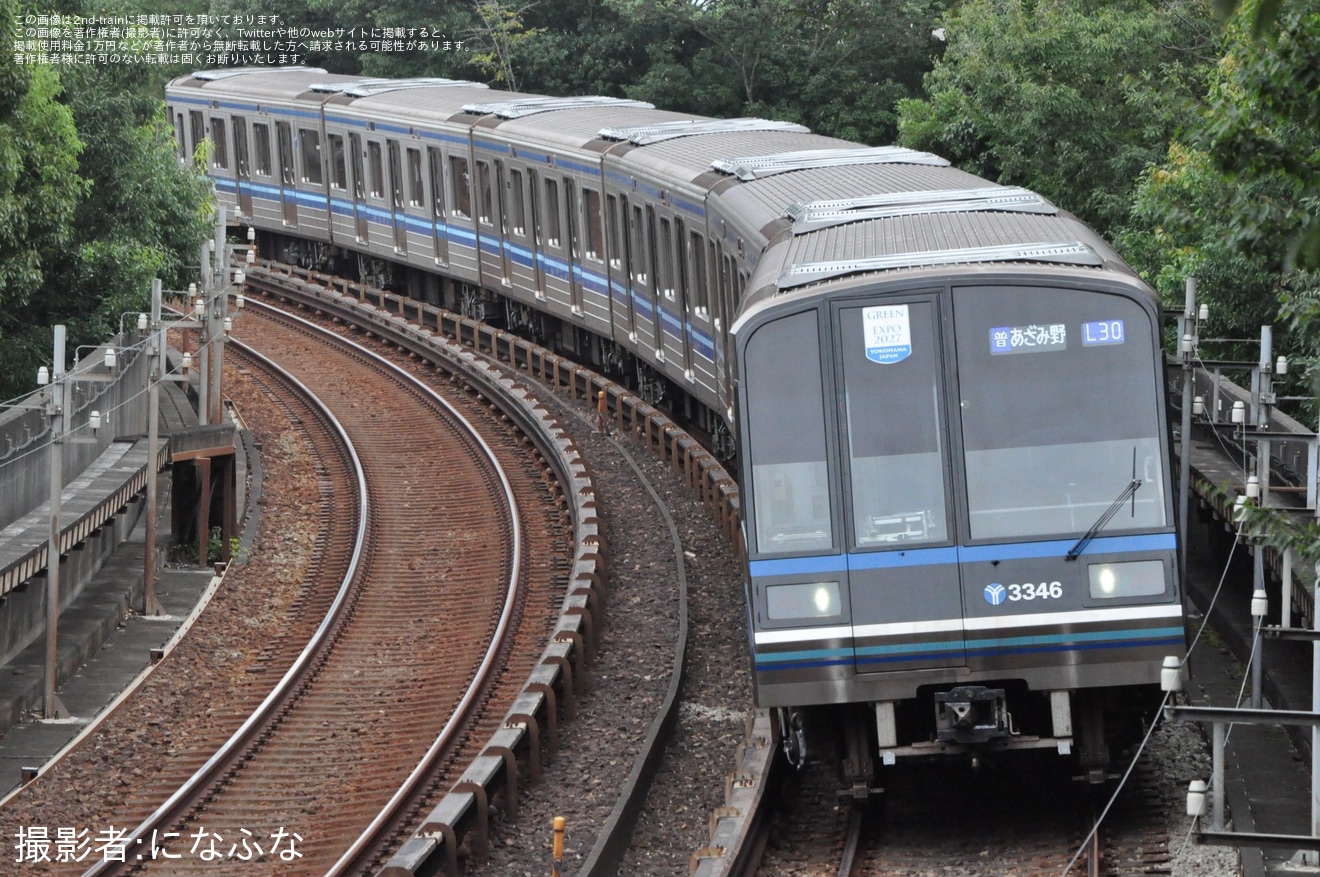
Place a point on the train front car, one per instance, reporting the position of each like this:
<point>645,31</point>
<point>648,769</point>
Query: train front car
<point>958,515</point>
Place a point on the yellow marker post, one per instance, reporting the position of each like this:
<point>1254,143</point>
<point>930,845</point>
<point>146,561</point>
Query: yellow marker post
<point>600,411</point>
<point>559,846</point>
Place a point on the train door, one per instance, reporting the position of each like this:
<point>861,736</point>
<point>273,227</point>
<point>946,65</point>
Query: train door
<point>902,564</point>
<point>359,189</point>
<point>288,191</point>
<point>439,235</point>
<point>242,167</point>
<point>398,218</point>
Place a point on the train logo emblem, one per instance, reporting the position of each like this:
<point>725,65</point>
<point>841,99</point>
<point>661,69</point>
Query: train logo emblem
<point>888,333</point>
<point>995,593</point>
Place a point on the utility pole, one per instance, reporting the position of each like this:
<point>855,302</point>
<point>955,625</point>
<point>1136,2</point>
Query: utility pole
<point>156,356</point>
<point>57,410</point>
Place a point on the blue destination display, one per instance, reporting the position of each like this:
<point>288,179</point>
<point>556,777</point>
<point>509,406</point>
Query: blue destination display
<point>1102,332</point>
<point>1028,339</point>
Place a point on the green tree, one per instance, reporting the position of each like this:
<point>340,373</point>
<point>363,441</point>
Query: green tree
<point>39,192</point>
<point>93,204</point>
<point>1072,98</point>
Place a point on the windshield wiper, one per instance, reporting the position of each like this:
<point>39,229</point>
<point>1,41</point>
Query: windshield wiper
<point>1128,492</point>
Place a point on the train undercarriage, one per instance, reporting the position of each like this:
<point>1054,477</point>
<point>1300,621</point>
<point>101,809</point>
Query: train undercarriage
<point>1094,728</point>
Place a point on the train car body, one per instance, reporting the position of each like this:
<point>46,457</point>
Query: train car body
<point>945,396</point>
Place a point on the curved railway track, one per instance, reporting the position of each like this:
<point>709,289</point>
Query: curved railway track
<point>438,603</point>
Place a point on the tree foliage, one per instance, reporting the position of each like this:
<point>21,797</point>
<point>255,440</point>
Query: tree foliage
<point>1072,98</point>
<point>93,204</point>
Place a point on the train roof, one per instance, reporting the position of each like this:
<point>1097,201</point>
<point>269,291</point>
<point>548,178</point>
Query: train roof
<point>257,83</point>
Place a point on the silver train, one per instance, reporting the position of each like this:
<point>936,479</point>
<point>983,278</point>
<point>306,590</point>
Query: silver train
<point>945,396</point>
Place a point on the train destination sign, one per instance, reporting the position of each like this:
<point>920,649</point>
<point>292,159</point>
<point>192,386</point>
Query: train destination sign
<point>1028,339</point>
<point>888,333</point>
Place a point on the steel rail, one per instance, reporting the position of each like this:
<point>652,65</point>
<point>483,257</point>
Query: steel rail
<point>263,712</point>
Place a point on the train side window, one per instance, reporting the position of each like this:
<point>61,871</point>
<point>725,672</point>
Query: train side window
<point>436,162</point>
<point>221,157</point>
<point>595,233</point>
<point>786,437</point>
<point>616,238</point>
<point>700,285</point>
<point>240,146</point>
<point>552,229</point>
<point>338,162</point>
<point>285,135</point>
<point>458,169</point>
<point>197,124</point>
<point>501,202</point>
<point>570,211</point>
<point>359,180</point>
<point>681,263</point>
<point>376,168</point>
<point>665,265</point>
<point>261,145</point>
<point>396,174</point>
<point>416,189</point>
<point>179,137</point>
<point>638,262</point>
<point>485,209</point>
<point>517,206</point>
<point>309,143</point>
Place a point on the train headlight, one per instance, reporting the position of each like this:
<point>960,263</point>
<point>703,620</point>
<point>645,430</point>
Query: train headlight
<point>814,600</point>
<point>1138,578</point>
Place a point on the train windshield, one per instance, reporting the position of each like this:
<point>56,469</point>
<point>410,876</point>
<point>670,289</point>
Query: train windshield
<point>1059,411</point>
<point>786,424</point>
<point>892,406</point>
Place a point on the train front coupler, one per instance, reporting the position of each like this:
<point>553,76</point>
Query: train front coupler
<point>971,714</point>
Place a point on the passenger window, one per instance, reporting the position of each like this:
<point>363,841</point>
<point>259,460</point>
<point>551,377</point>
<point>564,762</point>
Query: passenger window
<point>436,162</point>
<point>396,174</point>
<point>616,231</point>
<point>638,261</point>
<point>221,157</point>
<point>786,437</point>
<point>376,168</point>
<point>570,210</point>
<point>458,168</point>
<point>309,143</point>
<point>240,147</point>
<point>338,163</point>
<point>179,136</point>
<point>553,236</point>
<point>700,281</point>
<point>416,190</point>
<point>261,142</point>
<point>517,210</point>
<point>486,211</point>
<point>595,234</point>
<point>197,123</point>
<point>665,274</point>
